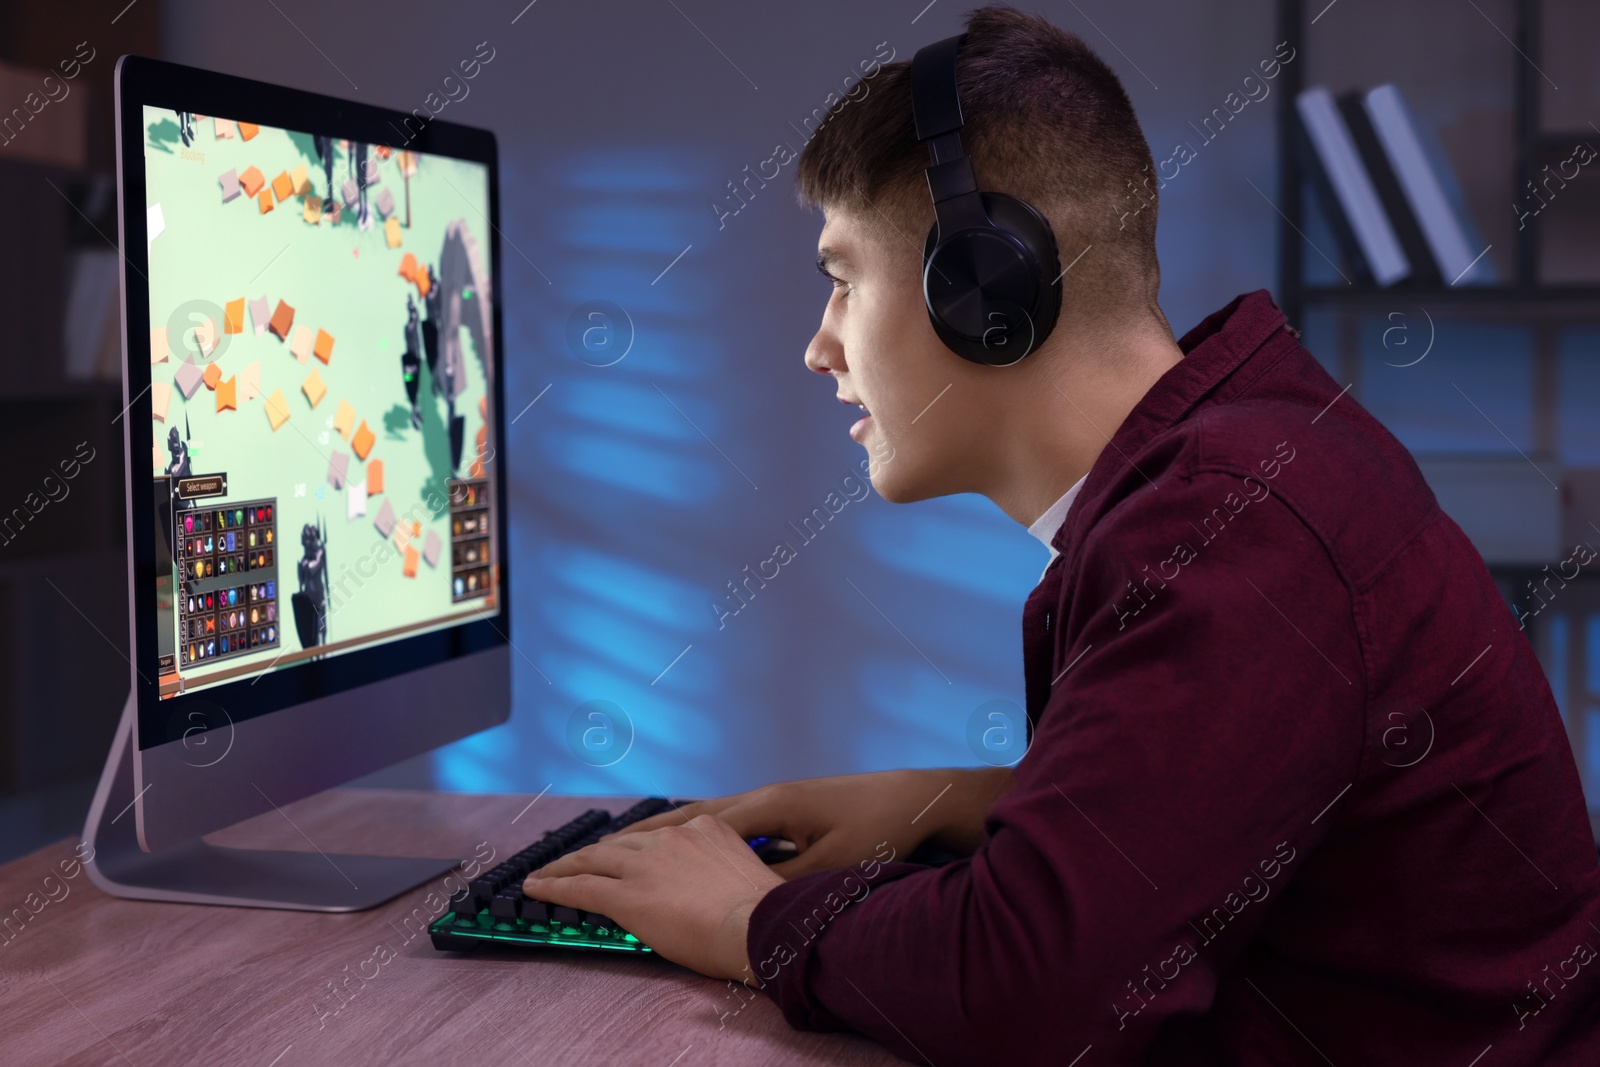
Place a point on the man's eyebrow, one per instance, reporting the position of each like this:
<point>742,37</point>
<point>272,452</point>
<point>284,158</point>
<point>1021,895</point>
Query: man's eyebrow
<point>829,259</point>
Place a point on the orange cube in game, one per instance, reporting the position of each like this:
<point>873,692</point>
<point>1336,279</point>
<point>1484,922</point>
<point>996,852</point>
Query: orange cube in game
<point>233,316</point>
<point>314,388</point>
<point>344,420</point>
<point>212,375</point>
<point>227,394</point>
<point>424,282</point>
<point>375,477</point>
<point>266,201</point>
<point>282,319</point>
<point>248,130</point>
<point>408,267</point>
<point>363,441</point>
<point>411,561</point>
<point>277,409</point>
<point>282,186</point>
<point>251,181</point>
<point>323,349</point>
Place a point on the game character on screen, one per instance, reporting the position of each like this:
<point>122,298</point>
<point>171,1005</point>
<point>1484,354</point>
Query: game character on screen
<point>411,361</point>
<point>358,171</point>
<point>444,360</point>
<point>324,147</point>
<point>311,601</point>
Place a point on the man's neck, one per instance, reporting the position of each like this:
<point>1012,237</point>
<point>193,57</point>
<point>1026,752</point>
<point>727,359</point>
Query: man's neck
<point>1063,416</point>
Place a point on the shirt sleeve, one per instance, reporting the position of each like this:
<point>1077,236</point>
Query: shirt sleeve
<point>1210,710</point>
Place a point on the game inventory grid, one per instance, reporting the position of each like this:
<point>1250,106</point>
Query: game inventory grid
<point>227,565</point>
<point>469,540</point>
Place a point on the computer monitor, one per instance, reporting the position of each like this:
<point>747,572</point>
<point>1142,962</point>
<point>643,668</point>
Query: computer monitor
<point>315,478</point>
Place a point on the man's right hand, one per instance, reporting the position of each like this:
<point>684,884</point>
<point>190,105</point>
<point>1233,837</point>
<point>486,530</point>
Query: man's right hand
<point>839,822</point>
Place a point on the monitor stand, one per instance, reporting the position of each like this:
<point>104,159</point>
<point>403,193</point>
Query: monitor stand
<point>199,873</point>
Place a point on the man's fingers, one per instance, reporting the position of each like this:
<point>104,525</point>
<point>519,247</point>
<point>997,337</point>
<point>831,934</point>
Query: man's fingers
<point>676,817</point>
<point>589,892</point>
<point>601,859</point>
<point>814,858</point>
<point>748,818</point>
<point>754,820</point>
<point>827,853</point>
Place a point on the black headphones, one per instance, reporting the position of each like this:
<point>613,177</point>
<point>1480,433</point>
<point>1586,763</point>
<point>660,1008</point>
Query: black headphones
<point>991,277</point>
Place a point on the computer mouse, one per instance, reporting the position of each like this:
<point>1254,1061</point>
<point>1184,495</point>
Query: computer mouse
<point>773,849</point>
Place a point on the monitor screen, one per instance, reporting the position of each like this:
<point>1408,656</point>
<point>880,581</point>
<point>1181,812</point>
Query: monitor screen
<point>321,396</point>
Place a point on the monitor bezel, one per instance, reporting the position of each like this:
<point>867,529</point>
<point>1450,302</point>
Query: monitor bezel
<point>142,82</point>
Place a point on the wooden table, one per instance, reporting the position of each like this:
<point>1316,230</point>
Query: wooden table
<point>91,979</point>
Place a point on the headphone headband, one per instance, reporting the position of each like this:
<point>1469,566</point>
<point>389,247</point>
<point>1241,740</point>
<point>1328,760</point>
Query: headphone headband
<point>935,102</point>
<point>936,109</point>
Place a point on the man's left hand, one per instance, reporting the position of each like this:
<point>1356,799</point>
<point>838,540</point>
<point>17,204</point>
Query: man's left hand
<point>687,891</point>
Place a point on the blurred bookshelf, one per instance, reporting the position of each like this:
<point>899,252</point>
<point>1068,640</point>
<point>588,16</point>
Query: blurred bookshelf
<point>1526,489</point>
<point>1528,292</point>
<point>63,559</point>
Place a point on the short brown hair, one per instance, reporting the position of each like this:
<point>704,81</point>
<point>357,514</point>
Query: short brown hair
<point>1045,121</point>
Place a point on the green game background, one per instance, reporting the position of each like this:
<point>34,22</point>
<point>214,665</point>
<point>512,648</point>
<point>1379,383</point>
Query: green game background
<point>216,252</point>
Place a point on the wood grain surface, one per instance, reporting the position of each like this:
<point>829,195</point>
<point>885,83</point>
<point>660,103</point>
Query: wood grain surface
<point>91,979</point>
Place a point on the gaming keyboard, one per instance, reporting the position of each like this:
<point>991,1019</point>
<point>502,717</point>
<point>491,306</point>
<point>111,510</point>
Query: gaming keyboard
<point>492,909</point>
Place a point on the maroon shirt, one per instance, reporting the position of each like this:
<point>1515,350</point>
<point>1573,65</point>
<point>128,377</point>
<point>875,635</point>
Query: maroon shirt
<point>1298,793</point>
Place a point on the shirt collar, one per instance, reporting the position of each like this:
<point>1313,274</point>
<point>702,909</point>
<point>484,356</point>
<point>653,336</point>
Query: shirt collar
<point>1046,525</point>
<point>1213,350</point>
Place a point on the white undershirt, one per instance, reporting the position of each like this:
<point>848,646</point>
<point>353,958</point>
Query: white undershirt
<point>1046,525</point>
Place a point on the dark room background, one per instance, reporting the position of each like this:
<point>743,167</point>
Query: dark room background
<point>644,486</point>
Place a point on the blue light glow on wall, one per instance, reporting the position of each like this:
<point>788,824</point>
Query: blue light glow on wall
<point>645,492</point>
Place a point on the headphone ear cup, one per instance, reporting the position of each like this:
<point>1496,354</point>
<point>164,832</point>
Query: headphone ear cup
<point>993,293</point>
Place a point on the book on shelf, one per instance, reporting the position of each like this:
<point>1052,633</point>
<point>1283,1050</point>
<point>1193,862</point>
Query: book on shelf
<point>1334,162</point>
<point>1407,228</point>
<point>1384,194</point>
<point>1422,181</point>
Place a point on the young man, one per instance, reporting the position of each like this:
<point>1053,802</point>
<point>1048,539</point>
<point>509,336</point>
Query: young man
<point>1297,791</point>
